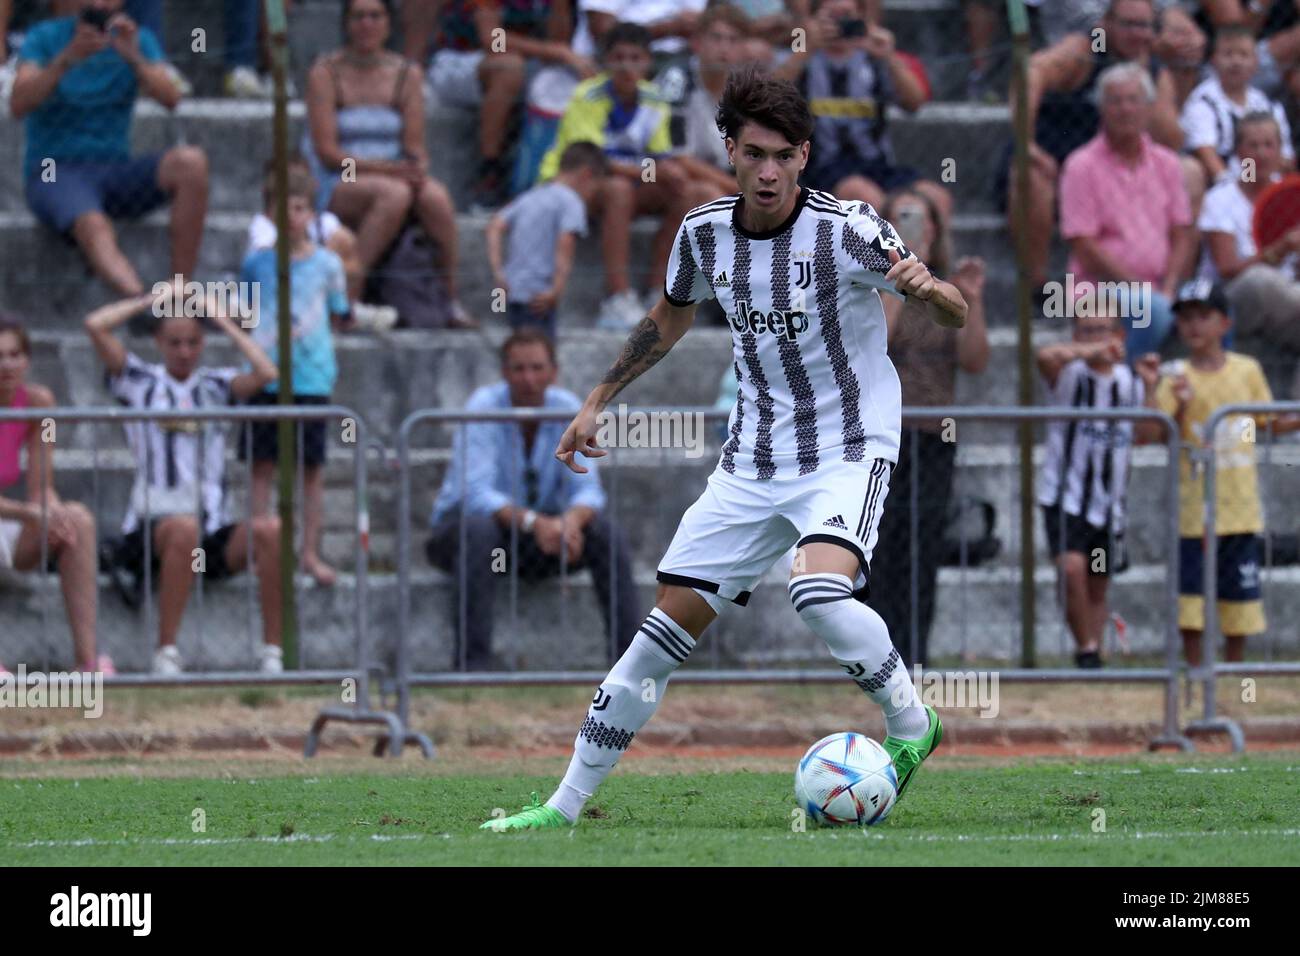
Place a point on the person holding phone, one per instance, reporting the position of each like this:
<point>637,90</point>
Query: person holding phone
<point>851,74</point>
<point>76,86</point>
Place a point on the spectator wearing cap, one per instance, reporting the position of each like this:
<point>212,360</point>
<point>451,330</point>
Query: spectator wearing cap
<point>506,491</point>
<point>1191,391</point>
<point>76,86</point>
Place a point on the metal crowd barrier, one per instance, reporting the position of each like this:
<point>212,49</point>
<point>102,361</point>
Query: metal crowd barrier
<point>361,711</point>
<point>1168,675</point>
<point>1211,668</point>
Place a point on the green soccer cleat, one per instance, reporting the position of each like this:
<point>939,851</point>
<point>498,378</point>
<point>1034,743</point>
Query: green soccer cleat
<point>535,816</point>
<point>908,754</point>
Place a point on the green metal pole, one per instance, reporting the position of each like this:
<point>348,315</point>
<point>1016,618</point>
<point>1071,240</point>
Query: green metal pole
<point>1020,79</point>
<point>277,27</point>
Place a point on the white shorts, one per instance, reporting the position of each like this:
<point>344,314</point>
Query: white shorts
<point>9,532</point>
<point>739,527</point>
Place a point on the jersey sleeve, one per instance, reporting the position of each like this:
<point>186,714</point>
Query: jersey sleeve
<point>684,283</point>
<point>867,241</point>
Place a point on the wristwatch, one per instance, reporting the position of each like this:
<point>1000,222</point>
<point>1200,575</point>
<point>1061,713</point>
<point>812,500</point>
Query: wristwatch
<point>530,519</point>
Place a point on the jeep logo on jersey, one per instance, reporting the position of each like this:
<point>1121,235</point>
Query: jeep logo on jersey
<point>783,322</point>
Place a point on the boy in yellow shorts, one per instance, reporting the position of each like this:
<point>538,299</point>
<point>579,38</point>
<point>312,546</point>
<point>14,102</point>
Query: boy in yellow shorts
<point>1195,388</point>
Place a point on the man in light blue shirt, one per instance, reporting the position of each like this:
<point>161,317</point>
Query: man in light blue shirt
<point>504,476</point>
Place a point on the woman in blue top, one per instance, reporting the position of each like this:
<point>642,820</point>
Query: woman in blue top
<point>365,141</point>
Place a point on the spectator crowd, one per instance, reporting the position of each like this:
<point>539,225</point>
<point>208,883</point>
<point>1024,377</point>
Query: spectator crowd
<point>1160,128</point>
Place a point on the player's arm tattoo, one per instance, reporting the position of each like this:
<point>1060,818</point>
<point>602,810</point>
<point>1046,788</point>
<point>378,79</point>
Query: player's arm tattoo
<point>644,347</point>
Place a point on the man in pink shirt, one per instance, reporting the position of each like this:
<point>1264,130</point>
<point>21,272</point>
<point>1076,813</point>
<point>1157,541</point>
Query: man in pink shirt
<point>1126,215</point>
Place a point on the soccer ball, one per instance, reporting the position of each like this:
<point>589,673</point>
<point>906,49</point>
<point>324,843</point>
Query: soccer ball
<point>846,778</point>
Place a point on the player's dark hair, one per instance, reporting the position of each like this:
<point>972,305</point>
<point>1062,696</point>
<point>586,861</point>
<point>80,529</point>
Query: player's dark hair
<point>631,33</point>
<point>1250,119</point>
<point>584,154</point>
<point>528,335</point>
<point>754,96</point>
<point>9,323</point>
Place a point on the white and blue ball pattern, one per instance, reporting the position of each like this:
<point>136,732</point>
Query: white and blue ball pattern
<point>846,778</point>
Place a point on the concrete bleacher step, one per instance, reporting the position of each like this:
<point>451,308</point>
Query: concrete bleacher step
<point>236,135</point>
<point>554,628</point>
<point>649,489</point>
<point>45,279</point>
<point>385,378</point>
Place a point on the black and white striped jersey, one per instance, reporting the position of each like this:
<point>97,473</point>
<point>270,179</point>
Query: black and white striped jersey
<point>809,340</point>
<point>167,452</point>
<point>1086,465</point>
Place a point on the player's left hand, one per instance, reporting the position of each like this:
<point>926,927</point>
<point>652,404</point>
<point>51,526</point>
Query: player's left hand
<point>580,436</point>
<point>910,276</point>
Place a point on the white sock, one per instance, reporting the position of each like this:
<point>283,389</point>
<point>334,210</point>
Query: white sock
<point>625,700</point>
<point>858,638</point>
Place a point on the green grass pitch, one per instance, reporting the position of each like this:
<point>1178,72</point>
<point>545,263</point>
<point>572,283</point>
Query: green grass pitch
<point>1186,811</point>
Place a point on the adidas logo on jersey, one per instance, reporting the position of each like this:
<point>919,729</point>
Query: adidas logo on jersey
<point>722,282</point>
<point>787,323</point>
<point>836,522</point>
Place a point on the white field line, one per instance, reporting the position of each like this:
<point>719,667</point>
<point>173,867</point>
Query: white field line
<point>825,834</point>
<point>207,841</point>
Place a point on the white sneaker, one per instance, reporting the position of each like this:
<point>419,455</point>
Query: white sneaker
<point>373,318</point>
<point>167,661</point>
<point>243,83</point>
<point>270,659</point>
<point>621,312</point>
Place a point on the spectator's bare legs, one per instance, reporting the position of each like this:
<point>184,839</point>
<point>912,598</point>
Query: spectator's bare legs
<point>1078,613</point>
<point>1234,648</point>
<point>259,498</point>
<point>1194,181</point>
<point>183,174</point>
<point>375,207</point>
<point>313,506</point>
<point>94,234</point>
<point>1040,211</point>
<point>617,201</point>
<point>419,17</point>
<point>266,560</point>
<point>502,78</point>
<point>174,541</point>
<point>77,563</point>
<point>343,243</point>
<point>1096,585</point>
<point>437,214</point>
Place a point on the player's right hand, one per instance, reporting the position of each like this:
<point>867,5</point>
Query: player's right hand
<point>580,436</point>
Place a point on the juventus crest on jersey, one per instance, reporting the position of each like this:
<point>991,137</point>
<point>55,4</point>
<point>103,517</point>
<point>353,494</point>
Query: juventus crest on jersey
<point>808,330</point>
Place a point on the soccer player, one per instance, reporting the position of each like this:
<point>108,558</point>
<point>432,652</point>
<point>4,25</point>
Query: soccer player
<point>813,436</point>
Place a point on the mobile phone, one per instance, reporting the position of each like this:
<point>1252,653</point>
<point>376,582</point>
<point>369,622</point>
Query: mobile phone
<point>96,18</point>
<point>909,223</point>
<point>853,28</point>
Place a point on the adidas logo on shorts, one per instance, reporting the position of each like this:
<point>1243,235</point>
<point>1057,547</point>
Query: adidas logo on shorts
<point>836,522</point>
